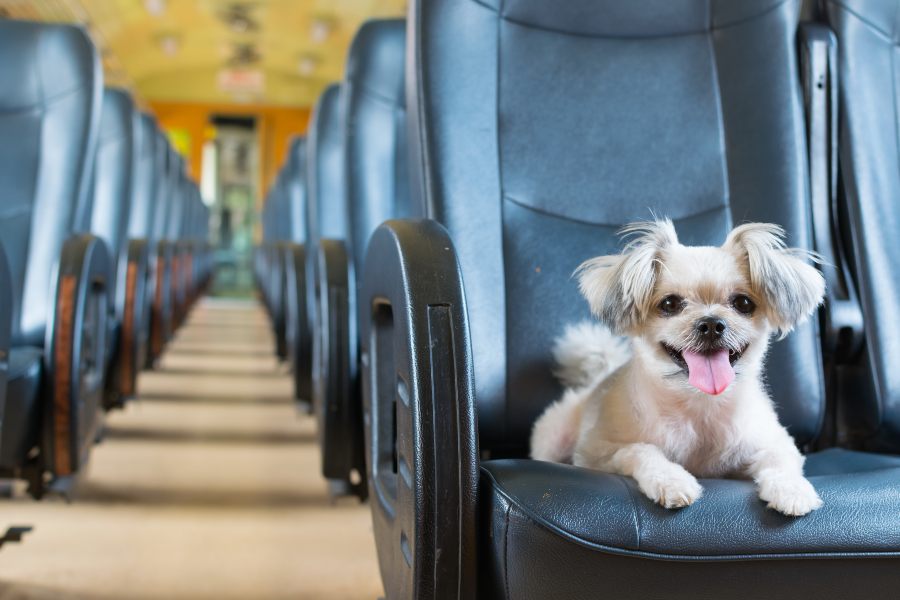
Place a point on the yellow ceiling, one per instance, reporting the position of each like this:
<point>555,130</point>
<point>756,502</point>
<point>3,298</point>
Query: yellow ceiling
<point>178,54</point>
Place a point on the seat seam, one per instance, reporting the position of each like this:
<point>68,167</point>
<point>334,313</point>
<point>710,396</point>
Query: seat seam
<point>544,211</point>
<point>869,24</point>
<point>711,29</point>
<point>506,552</point>
<point>638,526</point>
<point>733,557</point>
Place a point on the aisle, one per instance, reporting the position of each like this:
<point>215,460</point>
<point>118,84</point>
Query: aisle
<point>207,487</point>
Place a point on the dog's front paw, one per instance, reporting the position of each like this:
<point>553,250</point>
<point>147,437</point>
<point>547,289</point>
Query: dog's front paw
<point>793,496</point>
<point>674,488</point>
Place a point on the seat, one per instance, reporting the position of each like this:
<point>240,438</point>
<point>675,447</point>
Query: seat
<point>376,189</point>
<point>143,241</point>
<point>325,207</point>
<point>114,187</point>
<point>538,130</point>
<point>298,340</point>
<point>868,34</point>
<point>161,305</point>
<point>49,122</point>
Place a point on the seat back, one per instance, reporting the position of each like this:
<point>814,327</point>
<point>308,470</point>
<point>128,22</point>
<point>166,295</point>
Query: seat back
<point>375,145</point>
<point>52,86</point>
<point>140,219</point>
<point>177,197</point>
<point>295,167</point>
<point>868,35</point>
<point>165,162</point>
<point>325,217</point>
<point>540,128</point>
<point>114,175</point>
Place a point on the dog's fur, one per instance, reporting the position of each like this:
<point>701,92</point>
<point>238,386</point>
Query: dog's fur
<point>629,407</point>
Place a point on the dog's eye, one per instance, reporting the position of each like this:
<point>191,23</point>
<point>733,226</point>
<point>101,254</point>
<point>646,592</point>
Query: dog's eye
<point>743,304</point>
<point>671,305</point>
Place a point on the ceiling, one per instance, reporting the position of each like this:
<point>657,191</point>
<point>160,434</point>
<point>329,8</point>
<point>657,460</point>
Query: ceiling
<point>273,52</point>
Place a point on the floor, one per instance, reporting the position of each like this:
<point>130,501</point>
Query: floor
<point>205,487</point>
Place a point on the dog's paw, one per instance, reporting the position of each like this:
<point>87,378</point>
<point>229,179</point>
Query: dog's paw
<point>794,496</point>
<point>676,488</point>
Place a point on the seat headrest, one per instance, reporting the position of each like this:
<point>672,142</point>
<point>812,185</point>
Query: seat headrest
<point>376,59</point>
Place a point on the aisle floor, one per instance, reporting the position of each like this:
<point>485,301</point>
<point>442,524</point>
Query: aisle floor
<point>205,487</point>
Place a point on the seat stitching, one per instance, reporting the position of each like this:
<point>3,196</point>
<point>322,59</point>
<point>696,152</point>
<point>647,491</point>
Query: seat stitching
<point>712,28</point>
<point>869,24</point>
<point>587,222</point>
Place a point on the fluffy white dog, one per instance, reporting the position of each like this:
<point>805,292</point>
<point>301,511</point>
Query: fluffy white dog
<point>681,395</point>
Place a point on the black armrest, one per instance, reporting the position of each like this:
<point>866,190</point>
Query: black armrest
<point>842,320</point>
<point>132,352</point>
<point>336,397</point>
<point>5,326</point>
<point>421,431</point>
<point>299,338</point>
<point>76,350</point>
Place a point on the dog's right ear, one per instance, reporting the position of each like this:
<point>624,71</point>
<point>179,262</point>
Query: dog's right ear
<point>619,287</point>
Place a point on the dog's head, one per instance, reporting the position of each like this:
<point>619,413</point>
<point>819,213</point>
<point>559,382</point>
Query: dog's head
<point>700,314</point>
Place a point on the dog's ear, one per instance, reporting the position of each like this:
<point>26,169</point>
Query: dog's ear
<point>619,287</point>
<point>791,286</point>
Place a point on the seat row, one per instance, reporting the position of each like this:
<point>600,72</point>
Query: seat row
<point>337,185</point>
<point>536,130</point>
<point>103,244</point>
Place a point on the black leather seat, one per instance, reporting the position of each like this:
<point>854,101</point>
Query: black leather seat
<point>375,151</point>
<point>49,121</point>
<point>114,188</point>
<point>325,207</point>
<point>538,130</point>
<point>868,34</point>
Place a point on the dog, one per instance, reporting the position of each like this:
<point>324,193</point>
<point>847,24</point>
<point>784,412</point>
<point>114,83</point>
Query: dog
<point>669,386</point>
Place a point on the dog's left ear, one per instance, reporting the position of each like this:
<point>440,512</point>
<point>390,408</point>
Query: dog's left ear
<point>784,277</point>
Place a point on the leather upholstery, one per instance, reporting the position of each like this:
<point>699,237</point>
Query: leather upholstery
<point>164,188</point>
<point>51,86</point>
<point>868,34</point>
<point>146,181</point>
<point>325,177</point>
<point>23,409</point>
<point>374,108</point>
<point>114,174</point>
<point>177,199</point>
<point>540,128</point>
<point>295,168</point>
<point>562,532</point>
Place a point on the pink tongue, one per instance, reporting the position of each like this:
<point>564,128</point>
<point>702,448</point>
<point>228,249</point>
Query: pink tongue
<point>709,373</point>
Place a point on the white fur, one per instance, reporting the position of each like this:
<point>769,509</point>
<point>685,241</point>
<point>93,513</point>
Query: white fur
<point>634,413</point>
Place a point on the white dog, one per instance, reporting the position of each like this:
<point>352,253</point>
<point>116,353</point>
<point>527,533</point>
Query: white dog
<point>685,398</point>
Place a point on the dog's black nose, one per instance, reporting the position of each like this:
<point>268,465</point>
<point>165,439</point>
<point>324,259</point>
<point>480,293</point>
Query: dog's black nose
<point>710,328</point>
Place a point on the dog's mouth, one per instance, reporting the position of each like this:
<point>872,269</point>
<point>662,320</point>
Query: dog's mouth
<point>710,371</point>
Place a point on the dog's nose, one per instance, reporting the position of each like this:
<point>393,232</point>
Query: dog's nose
<point>711,328</point>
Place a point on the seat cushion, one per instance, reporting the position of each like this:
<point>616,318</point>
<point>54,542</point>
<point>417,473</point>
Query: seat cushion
<point>600,527</point>
<point>21,421</point>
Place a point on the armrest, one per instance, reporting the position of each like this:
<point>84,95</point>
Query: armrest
<point>76,350</point>
<point>5,326</point>
<point>135,318</point>
<point>842,330</point>
<point>335,383</point>
<point>421,430</point>
<point>299,338</point>
<point>161,304</point>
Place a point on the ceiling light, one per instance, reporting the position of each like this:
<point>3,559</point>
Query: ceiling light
<point>307,64</point>
<point>169,43</point>
<point>155,7</point>
<point>321,29</point>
